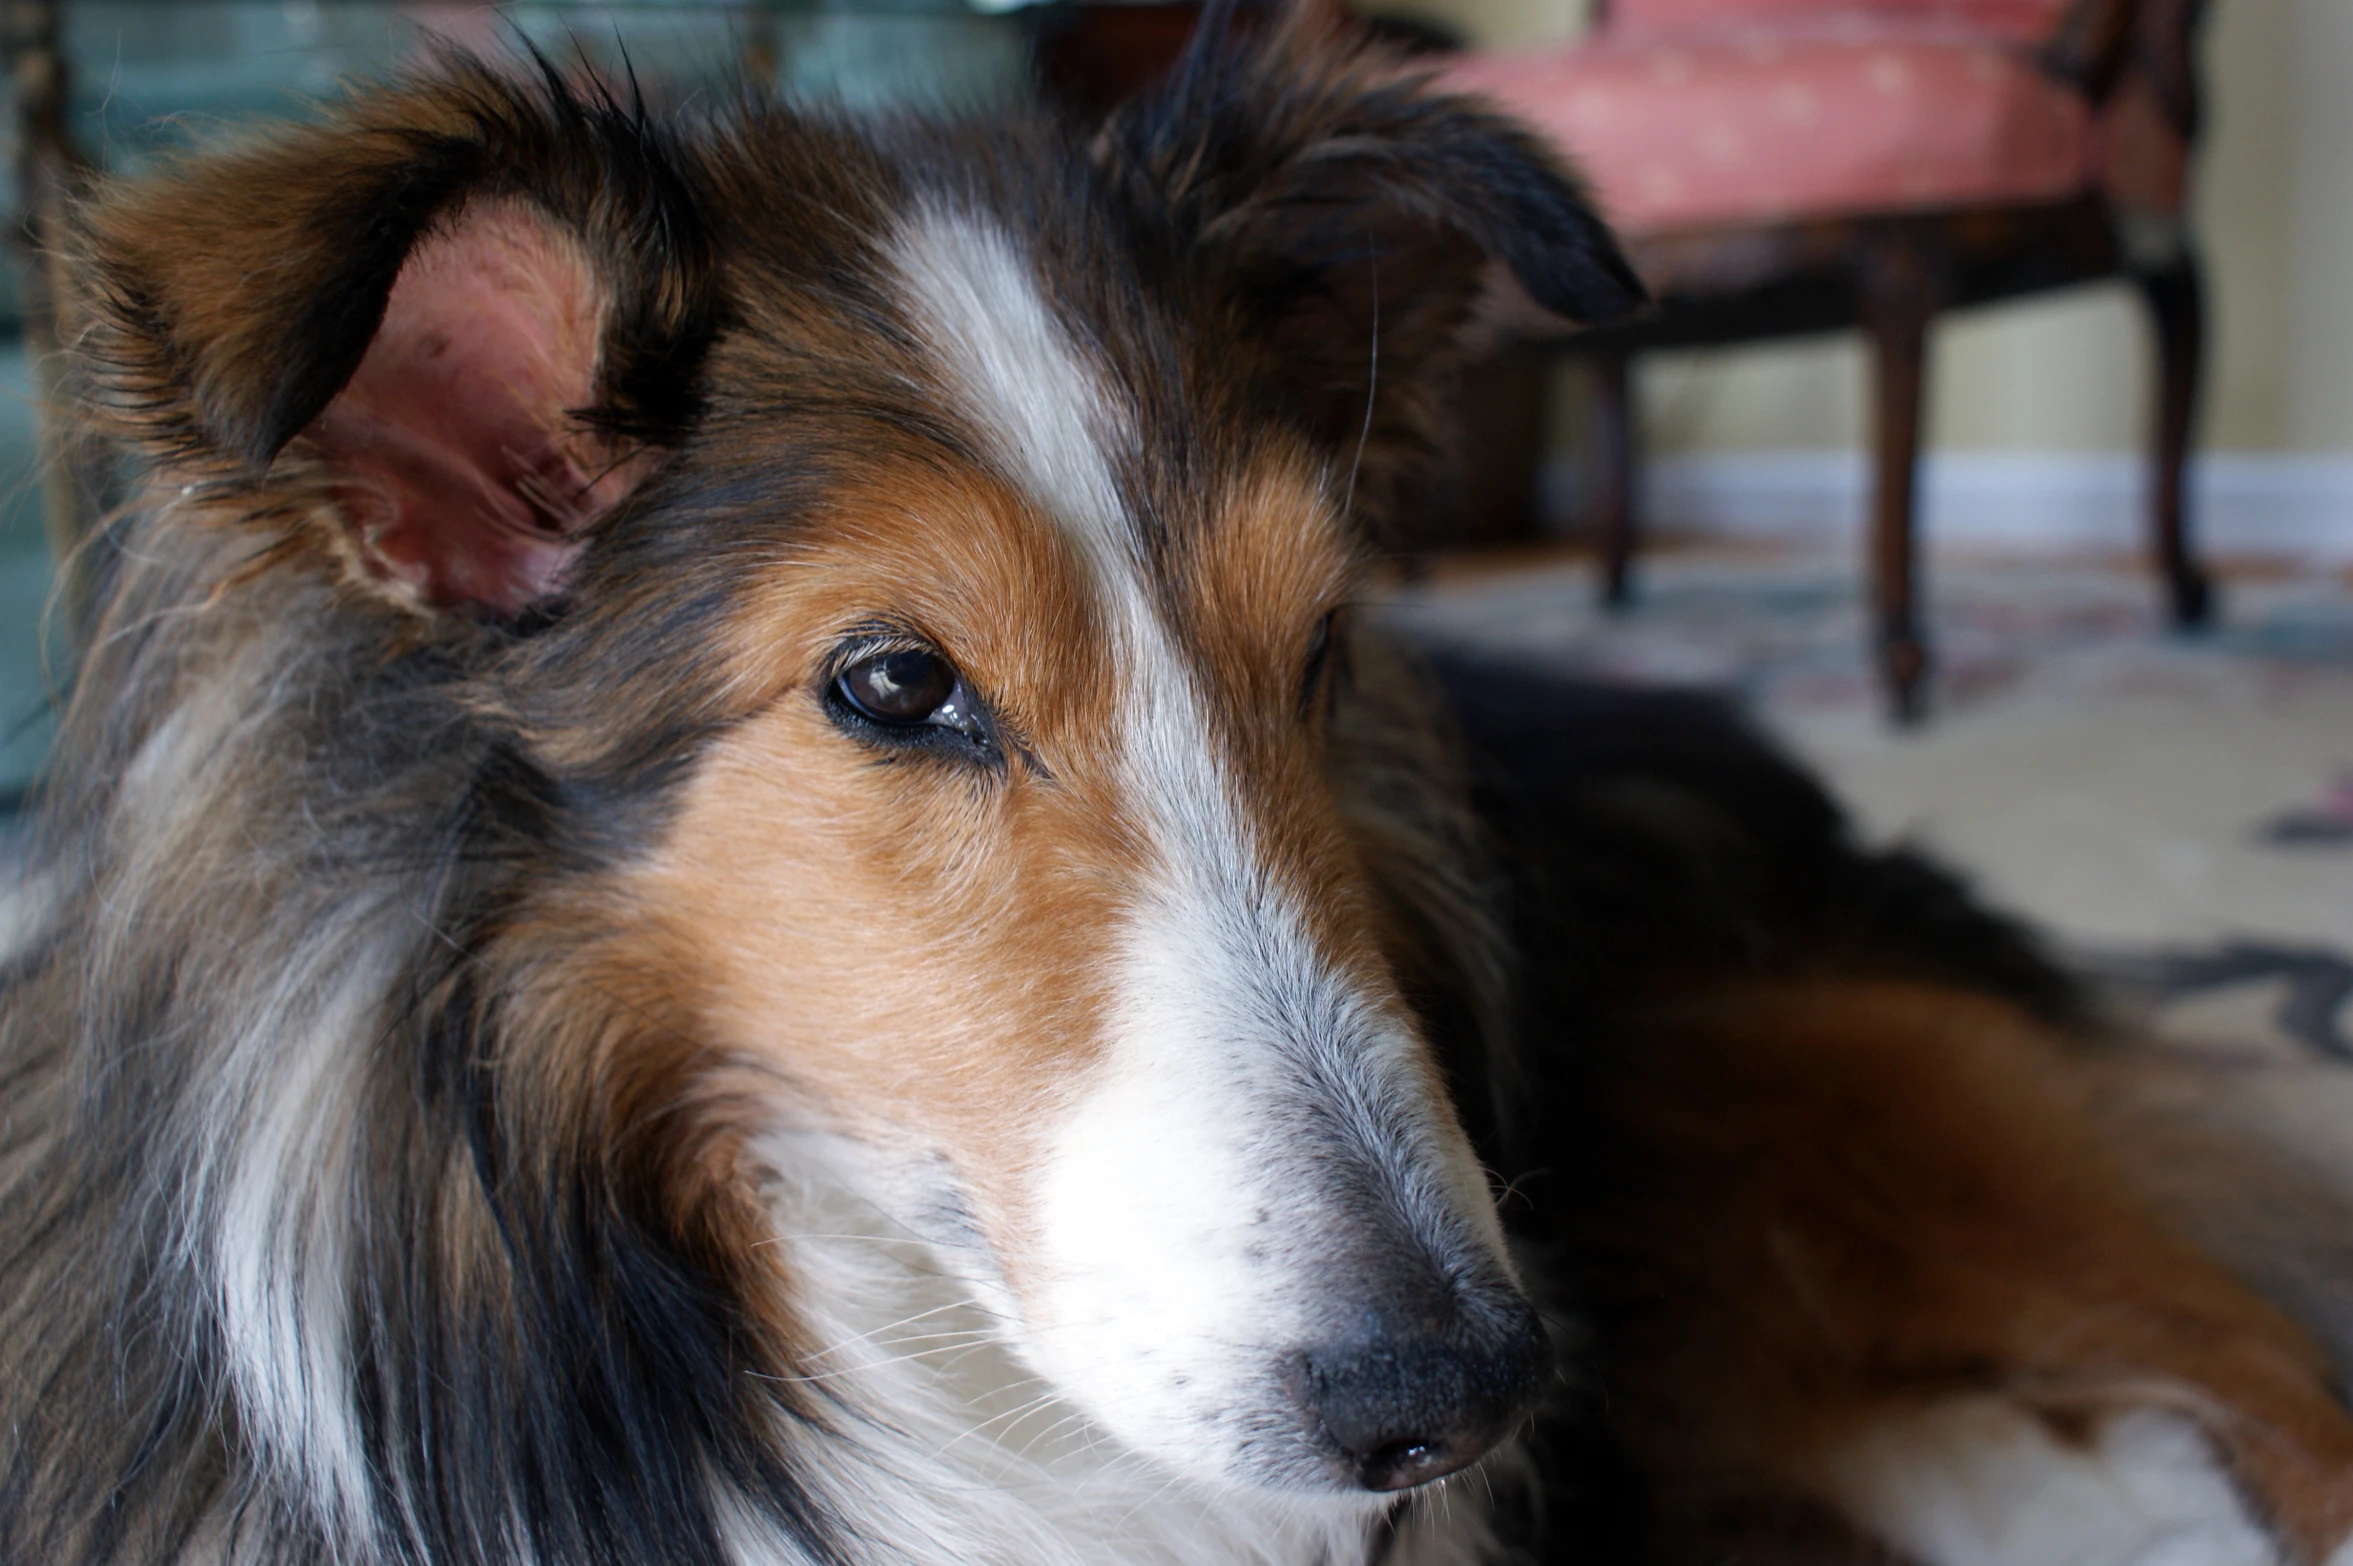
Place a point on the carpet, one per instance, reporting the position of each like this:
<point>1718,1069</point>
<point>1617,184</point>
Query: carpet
<point>2175,811</point>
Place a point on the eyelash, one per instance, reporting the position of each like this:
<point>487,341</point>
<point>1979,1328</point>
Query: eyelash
<point>1326,663</point>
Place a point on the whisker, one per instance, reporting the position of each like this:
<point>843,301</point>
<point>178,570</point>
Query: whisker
<point>849,1370</point>
<point>1372,384</point>
<point>1015,1413</point>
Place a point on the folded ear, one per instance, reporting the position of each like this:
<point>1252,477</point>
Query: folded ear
<point>1352,213</point>
<point>441,332</point>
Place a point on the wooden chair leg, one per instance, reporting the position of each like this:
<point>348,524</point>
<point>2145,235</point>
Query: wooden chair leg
<point>1900,296</point>
<point>1614,474</point>
<point>2175,295</point>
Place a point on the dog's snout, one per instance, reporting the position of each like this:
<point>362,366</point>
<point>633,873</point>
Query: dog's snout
<point>1406,1404</point>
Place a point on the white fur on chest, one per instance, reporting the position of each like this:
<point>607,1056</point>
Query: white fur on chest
<point>1980,1481</point>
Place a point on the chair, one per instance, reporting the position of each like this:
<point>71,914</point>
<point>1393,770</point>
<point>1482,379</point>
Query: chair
<point>1780,167</point>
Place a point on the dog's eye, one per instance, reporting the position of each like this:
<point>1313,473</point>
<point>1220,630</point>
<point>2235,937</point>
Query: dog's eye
<point>899,689</point>
<point>909,696</point>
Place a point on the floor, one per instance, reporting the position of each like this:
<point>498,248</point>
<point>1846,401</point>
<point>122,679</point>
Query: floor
<point>2177,811</point>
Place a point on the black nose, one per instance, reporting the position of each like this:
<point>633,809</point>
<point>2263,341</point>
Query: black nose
<point>1406,1405</point>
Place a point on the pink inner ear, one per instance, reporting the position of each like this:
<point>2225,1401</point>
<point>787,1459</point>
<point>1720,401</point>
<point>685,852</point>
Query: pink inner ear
<point>468,483</point>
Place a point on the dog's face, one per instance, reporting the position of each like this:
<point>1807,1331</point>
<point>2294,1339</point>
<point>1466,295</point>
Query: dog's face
<point>942,547</point>
<point>1029,866</point>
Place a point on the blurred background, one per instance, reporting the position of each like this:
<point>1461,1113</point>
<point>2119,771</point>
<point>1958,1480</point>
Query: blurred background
<point>1993,440</point>
<point>2055,380</point>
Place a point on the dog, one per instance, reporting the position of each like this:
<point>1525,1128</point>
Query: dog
<point>691,910</point>
<point>730,879</point>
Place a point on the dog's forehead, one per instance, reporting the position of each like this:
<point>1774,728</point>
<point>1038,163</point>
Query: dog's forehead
<point>1048,414</point>
<point>1108,408</point>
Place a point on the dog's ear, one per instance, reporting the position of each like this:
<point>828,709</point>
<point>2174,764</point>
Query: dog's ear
<point>1351,214</point>
<point>454,323</point>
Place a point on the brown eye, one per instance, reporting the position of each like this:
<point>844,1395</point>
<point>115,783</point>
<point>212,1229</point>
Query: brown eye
<point>899,689</point>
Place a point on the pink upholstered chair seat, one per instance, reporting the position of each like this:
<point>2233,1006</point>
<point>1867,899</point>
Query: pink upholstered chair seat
<point>2028,21</point>
<point>1782,110</point>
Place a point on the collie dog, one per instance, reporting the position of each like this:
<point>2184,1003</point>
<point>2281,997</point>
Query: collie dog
<point>726,883</point>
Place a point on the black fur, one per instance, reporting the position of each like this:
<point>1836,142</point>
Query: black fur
<point>1345,214</point>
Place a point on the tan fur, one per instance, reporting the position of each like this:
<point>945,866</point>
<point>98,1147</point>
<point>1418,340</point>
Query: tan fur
<point>1267,568</point>
<point>845,919</point>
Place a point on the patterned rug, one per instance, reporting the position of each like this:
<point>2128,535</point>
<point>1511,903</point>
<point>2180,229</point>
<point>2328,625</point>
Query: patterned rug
<point>2176,811</point>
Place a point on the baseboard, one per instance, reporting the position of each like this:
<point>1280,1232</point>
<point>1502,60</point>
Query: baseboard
<point>2244,503</point>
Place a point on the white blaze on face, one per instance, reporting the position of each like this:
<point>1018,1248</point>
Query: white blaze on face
<point>976,299</point>
<point>1252,1109</point>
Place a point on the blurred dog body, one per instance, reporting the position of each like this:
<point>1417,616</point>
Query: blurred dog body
<point>1888,1241</point>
